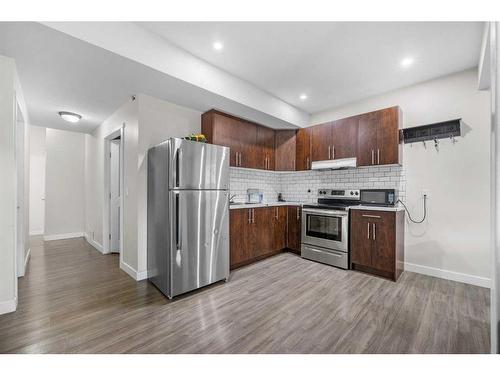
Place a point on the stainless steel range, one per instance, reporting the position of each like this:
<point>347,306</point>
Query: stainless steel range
<point>325,227</point>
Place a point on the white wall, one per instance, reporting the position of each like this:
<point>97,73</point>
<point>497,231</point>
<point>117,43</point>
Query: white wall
<point>11,100</point>
<point>126,115</point>
<point>8,286</point>
<point>158,121</point>
<point>454,240</point>
<point>37,180</point>
<point>148,121</point>
<point>64,184</point>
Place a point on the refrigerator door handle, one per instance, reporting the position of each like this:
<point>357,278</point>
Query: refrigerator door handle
<point>178,154</point>
<point>178,233</point>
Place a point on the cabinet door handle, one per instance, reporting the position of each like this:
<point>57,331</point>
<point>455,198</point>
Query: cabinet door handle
<point>373,156</point>
<point>374,231</point>
<point>236,159</point>
<point>329,152</point>
<point>378,156</point>
<point>368,237</point>
<point>372,216</point>
<point>277,213</point>
<point>253,215</point>
<point>333,152</point>
<point>249,215</point>
<point>240,159</point>
<point>307,162</point>
<point>298,213</point>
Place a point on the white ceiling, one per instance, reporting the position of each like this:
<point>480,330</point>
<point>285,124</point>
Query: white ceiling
<point>332,62</point>
<point>61,73</point>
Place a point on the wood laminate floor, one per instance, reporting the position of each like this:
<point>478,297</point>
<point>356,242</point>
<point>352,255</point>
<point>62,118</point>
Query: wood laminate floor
<point>75,300</point>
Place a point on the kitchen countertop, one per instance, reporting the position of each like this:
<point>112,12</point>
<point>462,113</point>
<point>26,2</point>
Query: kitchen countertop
<point>263,204</point>
<point>377,208</point>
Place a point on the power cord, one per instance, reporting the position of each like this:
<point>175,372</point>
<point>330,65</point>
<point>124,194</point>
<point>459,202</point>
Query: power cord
<point>409,216</point>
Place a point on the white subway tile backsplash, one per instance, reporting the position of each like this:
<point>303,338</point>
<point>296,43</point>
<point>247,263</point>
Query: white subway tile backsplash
<point>303,185</point>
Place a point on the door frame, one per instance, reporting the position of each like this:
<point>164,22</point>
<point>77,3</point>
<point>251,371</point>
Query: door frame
<point>106,224</point>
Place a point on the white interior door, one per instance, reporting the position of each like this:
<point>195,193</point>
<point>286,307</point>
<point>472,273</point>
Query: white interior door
<point>114,205</point>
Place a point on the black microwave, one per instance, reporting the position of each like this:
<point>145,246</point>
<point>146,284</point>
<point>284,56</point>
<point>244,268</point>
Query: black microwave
<point>378,197</point>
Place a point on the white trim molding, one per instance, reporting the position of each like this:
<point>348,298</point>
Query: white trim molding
<point>63,236</point>
<point>449,275</point>
<point>94,243</point>
<point>132,272</point>
<point>26,260</point>
<point>36,233</point>
<point>8,306</point>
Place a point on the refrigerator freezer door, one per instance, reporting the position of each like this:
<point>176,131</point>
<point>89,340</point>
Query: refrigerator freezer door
<point>200,238</point>
<point>198,166</point>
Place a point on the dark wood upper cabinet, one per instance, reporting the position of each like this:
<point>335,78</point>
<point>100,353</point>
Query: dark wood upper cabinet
<point>265,148</point>
<point>389,147</point>
<point>371,137</point>
<point>321,142</point>
<point>377,242</point>
<point>285,150</point>
<point>367,138</point>
<point>239,135</point>
<point>378,137</point>
<point>344,138</point>
<point>303,150</point>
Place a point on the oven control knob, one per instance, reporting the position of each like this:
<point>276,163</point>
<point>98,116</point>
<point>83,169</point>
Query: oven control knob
<point>357,193</point>
<point>352,192</point>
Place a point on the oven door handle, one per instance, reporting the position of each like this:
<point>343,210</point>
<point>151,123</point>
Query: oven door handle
<point>324,212</point>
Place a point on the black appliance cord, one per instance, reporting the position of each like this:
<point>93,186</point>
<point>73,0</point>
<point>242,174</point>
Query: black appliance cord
<point>409,216</point>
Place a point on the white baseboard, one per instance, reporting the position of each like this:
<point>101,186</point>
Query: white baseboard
<point>52,237</point>
<point>36,233</point>
<point>449,275</point>
<point>132,272</point>
<point>94,244</point>
<point>8,306</point>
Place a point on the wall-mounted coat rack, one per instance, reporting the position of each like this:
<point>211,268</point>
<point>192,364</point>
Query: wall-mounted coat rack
<point>432,132</point>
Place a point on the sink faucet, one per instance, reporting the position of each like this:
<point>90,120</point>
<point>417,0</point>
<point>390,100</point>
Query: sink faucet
<point>231,198</point>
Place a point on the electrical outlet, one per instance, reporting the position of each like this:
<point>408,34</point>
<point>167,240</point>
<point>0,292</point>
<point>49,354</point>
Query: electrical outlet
<point>426,193</point>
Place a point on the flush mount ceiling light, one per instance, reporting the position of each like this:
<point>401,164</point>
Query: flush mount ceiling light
<point>303,96</point>
<point>70,116</point>
<point>218,46</point>
<point>406,62</point>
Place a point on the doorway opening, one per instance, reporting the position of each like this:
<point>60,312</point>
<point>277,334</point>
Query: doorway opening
<point>113,191</point>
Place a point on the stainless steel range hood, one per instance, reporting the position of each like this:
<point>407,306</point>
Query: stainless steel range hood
<point>335,164</point>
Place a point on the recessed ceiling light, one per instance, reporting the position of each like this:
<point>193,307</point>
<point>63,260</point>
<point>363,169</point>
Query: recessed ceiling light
<point>303,96</point>
<point>406,62</point>
<point>70,116</point>
<point>218,46</point>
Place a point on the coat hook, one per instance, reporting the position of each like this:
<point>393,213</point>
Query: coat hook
<point>436,144</point>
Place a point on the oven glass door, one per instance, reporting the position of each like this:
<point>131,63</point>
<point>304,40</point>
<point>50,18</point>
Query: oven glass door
<point>324,227</point>
<point>327,230</point>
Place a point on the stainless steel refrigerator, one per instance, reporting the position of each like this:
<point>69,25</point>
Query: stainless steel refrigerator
<point>188,215</point>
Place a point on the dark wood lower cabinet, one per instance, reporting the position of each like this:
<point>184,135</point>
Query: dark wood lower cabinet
<point>279,234</point>
<point>294,228</point>
<point>257,233</point>
<point>377,242</point>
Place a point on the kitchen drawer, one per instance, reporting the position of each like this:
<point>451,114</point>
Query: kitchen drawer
<point>318,254</point>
